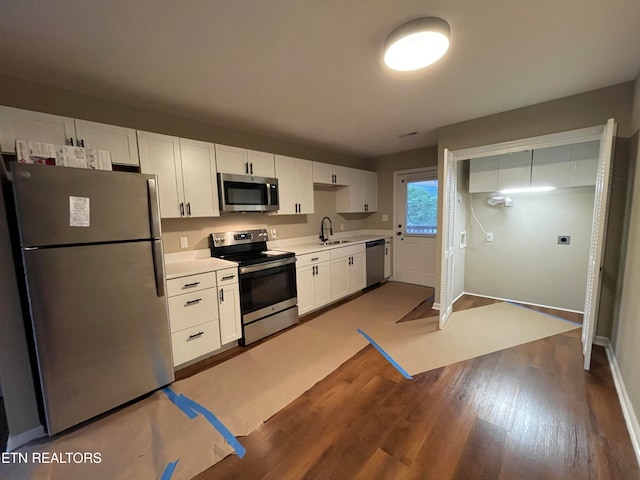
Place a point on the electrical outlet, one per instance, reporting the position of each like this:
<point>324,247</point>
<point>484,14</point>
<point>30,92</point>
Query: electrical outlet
<point>385,217</point>
<point>184,242</point>
<point>489,236</point>
<point>342,227</point>
<point>273,233</point>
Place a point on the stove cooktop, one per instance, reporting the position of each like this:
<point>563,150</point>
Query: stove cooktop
<point>251,258</point>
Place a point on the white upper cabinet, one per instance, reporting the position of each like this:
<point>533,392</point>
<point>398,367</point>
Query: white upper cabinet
<point>17,124</point>
<point>361,195</point>
<point>160,154</point>
<point>295,185</point>
<point>497,172</point>
<point>566,165</point>
<point>562,166</point>
<point>584,163</point>
<point>186,174</point>
<point>261,164</point>
<point>483,174</point>
<point>232,160</point>
<point>551,167</point>
<point>514,170</point>
<point>370,190</point>
<point>120,141</point>
<point>199,178</point>
<point>326,174</point>
<point>240,161</point>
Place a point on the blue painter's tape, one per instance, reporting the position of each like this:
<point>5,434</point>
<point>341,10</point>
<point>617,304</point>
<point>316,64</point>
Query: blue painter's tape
<point>213,420</point>
<point>178,401</point>
<point>386,355</point>
<point>169,469</point>
<point>544,313</point>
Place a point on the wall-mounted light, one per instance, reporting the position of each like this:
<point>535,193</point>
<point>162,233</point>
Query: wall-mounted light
<point>417,44</point>
<point>527,189</point>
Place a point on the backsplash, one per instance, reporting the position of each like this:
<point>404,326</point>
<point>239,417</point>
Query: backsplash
<point>197,230</point>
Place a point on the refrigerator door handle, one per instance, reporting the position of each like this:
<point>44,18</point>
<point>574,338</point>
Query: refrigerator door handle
<point>154,210</point>
<point>158,267</point>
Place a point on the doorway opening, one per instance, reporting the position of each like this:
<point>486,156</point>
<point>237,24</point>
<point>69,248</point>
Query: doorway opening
<point>416,226</point>
<point>453,281</point>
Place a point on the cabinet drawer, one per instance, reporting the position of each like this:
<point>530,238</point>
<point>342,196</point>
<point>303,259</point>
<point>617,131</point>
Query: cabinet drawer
<point>347,251</point>
<point>195,341</point>
<point>227,276</point>
<point>191,283</point>
<point>192,309</point>
<point>312,258</point>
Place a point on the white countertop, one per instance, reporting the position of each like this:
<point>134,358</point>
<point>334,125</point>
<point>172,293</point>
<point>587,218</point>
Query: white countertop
<point>181,264</point>
<point>193,262</point>
<point>312,244</point>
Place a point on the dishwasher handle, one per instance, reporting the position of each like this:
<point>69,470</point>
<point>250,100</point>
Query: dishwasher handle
<point>375,243</point>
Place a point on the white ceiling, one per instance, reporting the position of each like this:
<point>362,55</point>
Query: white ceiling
<point>311,71</point>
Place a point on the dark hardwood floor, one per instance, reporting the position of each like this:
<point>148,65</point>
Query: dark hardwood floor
<point>528,412</point>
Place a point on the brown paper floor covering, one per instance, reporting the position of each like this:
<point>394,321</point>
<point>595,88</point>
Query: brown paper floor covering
<point>139,441</point>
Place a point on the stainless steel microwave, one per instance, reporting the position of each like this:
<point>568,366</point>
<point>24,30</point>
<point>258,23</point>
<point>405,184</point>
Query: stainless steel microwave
<point>246,193</point>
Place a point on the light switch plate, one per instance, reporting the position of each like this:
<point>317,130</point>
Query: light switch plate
<point>489,236</point>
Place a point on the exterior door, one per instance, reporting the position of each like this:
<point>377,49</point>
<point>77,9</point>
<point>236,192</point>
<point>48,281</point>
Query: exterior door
<point>598,231</point>
<point>416,227</point>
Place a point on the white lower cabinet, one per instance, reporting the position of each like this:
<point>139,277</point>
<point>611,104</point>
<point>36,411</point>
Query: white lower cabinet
<point>229,308</point>
<point>313,277</point>
<point>348,270</point>
<point>194,342</point>
<point>204,313</point>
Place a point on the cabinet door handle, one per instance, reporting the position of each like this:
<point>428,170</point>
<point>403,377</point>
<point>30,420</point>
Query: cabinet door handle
<point>81,142</point>
<point>227,277</point>
<point>189,208</point>
<point>191,285</point>
<point>182,209</point>
<point>195,335</point>
<point>251,168</point>
<point>222,294</point>
<point>69,141</point>
<point>193,302</point>
<point>316,267</point>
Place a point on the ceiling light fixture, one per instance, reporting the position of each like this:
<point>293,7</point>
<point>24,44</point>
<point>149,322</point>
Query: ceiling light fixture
<point>527,189</point>
<point>416,44</point>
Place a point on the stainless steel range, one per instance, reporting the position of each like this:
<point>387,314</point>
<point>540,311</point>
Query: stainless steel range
<point>268,297</point>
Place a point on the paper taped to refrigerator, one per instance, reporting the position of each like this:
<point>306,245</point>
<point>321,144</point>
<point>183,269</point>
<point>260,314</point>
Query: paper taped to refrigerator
<point>79,212</point>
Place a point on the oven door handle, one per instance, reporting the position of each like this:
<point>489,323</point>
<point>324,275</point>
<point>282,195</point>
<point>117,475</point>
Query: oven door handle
<point>266,265</point>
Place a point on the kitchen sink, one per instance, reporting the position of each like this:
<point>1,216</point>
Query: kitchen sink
<point>335,242</point>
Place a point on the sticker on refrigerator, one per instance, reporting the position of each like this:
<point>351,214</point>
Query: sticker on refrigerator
<point>79,213</point>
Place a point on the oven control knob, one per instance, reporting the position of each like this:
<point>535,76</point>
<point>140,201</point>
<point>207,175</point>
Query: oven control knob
<point>218,239</point>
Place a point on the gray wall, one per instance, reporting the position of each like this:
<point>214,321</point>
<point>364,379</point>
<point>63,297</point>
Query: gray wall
<point>525,262</point>
<point>626,341</point>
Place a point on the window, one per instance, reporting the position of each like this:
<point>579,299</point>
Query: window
<point>422,207</point>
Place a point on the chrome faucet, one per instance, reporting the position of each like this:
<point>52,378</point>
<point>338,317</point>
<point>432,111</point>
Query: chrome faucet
<point>322,236</point>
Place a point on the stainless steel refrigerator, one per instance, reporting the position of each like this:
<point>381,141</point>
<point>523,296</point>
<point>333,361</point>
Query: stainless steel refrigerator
<point>92,255</point>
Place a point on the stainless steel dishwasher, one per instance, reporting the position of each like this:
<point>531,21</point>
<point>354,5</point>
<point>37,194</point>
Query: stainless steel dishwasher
<point>375,262</point>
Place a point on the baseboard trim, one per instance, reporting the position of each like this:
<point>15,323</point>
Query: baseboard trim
<point>602,341</point>
<point>16,441</point>
<point>628,412</point>
<point>524,303</point>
